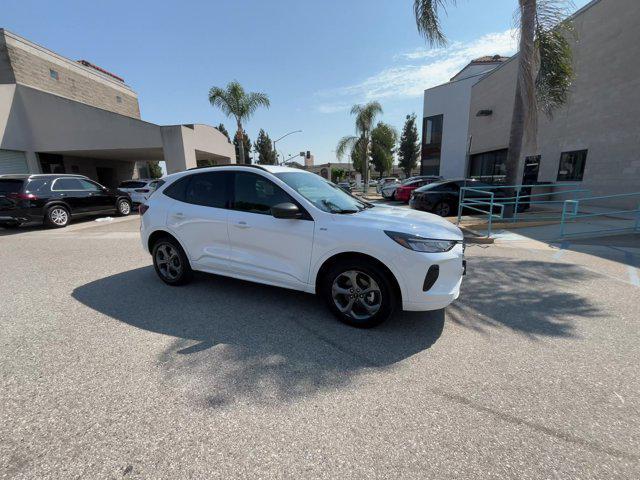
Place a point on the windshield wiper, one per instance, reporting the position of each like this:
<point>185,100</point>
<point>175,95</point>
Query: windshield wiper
<point>335,209</point>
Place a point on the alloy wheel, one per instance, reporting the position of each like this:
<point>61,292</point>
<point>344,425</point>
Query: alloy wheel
<point>124,207</point>
<point>356,294</point>
<point>168,261</point>
<point>443,209</point>
<point>59,216</point>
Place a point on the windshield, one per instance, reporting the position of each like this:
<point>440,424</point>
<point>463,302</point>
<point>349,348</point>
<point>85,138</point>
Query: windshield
<point>323,194</point>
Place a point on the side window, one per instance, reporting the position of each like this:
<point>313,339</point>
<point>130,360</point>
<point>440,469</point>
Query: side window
<point>210,189</point>
<point>178,189</point>
<point>256,194</point>
<point>89,186</point>
<point>67,184</point>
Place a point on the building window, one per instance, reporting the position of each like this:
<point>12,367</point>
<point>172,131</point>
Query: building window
<point>571,166</point>
<point>118,99</point>
<point>431,144</point>
<point>489,166</point>
<point>53,74</point>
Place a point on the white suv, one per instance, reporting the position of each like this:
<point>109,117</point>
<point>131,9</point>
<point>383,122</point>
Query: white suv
<point>293,229</point>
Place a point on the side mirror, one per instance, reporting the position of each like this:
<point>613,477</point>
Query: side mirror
<point>286,210</point>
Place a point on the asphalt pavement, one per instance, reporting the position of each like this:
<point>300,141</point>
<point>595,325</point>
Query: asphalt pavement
<point>105,372</point>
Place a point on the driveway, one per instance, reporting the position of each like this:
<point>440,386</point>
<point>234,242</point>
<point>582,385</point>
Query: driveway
<point>105,372</point>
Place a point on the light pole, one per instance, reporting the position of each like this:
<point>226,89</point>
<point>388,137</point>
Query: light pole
<point>286,135</point>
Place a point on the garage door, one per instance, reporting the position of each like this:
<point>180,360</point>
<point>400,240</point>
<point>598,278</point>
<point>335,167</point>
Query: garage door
<point>12,161</point>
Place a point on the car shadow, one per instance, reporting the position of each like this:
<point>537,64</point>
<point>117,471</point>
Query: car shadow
<point>533,298</point>
<point>240,340</point>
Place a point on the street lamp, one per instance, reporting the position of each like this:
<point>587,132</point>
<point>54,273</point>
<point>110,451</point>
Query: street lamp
<point>286,135</point>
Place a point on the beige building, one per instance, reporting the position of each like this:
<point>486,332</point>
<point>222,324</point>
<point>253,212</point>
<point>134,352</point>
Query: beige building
<point>60,115</point>
<point>595,138</point>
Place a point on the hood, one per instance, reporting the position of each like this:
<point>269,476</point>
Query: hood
<point>406,220</point>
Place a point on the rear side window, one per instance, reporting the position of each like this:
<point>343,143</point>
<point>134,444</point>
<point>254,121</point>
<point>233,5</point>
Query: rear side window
<point>67,184</point>
<point>210,189</point>
<point>256,194</point>
<point>37,185</point>
<point>178,189</point>
<point>10,186</point>
<point>132,184</point>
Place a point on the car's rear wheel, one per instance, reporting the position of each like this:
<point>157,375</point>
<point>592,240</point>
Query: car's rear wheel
<point>124,207</point>
<point>170,262</point>
<point>57,217</point>
<point>443,209</point>
<point>359,293</point>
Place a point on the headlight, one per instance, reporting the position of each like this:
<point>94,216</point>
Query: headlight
<point>419,244</point>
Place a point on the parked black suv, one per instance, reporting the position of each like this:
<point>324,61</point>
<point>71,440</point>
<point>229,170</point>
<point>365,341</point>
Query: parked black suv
<point>55,199</point>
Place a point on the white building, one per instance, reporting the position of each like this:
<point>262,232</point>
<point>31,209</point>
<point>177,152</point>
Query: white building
<point>63,116</point>
<point>446,109</point>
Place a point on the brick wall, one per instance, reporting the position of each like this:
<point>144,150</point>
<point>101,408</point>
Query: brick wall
<point>34,71</point>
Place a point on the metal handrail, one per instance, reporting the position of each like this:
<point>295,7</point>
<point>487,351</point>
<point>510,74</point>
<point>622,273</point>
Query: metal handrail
<point>573,214</point>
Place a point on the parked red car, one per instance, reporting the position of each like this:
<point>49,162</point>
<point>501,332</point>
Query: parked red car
<point>403,192</point>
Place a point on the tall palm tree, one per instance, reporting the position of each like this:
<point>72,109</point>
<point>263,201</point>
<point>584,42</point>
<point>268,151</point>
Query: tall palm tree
<point>361,141</point>
<point>235,102</point>
<point>545,67</point>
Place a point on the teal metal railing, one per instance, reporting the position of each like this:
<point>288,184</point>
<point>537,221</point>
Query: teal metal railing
<point>571,214</point>
<point>486,202</point>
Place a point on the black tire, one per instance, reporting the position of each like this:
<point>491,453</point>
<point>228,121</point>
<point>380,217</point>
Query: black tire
<point>123,207</point>
<point>176,270</point>
<point>443,208</point>
<point>340,272</point>
<point>57,216</point>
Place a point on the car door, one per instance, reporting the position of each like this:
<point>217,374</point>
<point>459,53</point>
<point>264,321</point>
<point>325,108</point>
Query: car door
<point>199,218</point>
<point>265,248</point>
<point>99,198</point>
<point>71,191</point>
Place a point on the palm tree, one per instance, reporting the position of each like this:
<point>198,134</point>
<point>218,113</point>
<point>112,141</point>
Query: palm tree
<point>235,102</point>
<point>545,67</point>
<point>360,144</point>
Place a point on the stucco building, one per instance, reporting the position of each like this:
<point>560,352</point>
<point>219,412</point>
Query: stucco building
<point>60,115</point>
<point>595,138</point>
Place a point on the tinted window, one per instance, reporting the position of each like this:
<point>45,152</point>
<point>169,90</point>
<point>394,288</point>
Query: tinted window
<point>256,194</point>
<point>67,184</point>
<point>10,186</point>
<point>37,185</point>
<point>210,189</point>
<point>572,165</point>
<point>132,184</point>
<point>178,189</point>
<point>87,185</point>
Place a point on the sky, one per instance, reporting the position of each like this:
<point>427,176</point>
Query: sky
<point>314,59</point>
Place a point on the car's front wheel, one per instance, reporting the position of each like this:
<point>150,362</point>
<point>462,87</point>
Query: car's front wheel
<point>124,207</point>
<point>359,293</point>
<point>170,262</point>
<point>443,209</point>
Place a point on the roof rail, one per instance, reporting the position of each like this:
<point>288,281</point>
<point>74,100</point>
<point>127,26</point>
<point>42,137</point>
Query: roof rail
<point>251,165</point>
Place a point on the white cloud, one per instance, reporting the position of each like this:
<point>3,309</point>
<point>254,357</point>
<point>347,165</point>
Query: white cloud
<point>422,69</point>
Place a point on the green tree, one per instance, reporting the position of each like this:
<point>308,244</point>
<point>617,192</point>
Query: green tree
<point>246,149</point>
<point>264,148</point>
<point>155,170</point>
<point>383,145</point>
<point>235,102</point>
<point>545,68</point>
<point>409,150</point>
<point>337,174</point>
<point>361,141</point>
<point>224,131</point>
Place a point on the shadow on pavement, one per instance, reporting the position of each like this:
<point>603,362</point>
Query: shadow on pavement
<point>530,297</point>
<point>240,340</point>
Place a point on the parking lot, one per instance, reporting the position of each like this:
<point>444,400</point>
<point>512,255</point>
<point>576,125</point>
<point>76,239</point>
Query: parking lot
<point>106,372</point>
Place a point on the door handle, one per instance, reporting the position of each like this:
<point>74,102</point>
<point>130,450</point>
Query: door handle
<point>242,224</point>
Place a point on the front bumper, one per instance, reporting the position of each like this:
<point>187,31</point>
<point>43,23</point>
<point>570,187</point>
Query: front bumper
<point>414,267</point>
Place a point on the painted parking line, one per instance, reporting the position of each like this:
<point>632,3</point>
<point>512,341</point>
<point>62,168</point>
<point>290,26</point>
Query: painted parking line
<point>563,248</point>
<point>634,278</point>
